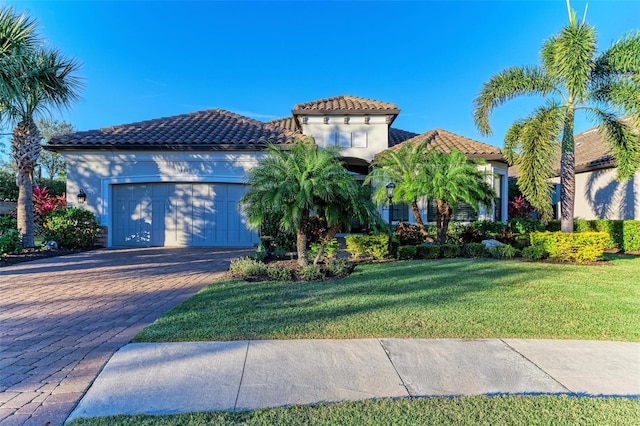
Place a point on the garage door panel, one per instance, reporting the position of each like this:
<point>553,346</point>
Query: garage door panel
<point>167,214</point>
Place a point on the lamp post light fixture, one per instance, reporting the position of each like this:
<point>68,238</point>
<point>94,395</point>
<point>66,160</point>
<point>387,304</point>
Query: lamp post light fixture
<point>391,187</point>
<point>82,197</point>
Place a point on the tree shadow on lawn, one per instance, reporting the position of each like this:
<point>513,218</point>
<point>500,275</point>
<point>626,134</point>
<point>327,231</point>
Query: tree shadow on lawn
<point>235,310</point>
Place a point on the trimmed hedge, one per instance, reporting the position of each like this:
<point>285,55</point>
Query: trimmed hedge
<point>427,251</point>
<point>624,234</point>
<point>579,247</point>
<point>376,246</point>
<point>475,250</point>
<point>407,252</point>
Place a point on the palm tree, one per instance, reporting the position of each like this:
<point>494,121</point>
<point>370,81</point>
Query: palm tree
<point>572,78</point>
<point>451,178</point>
<point>34,80</point>
<point>402,166</point>
<point>292,183</point>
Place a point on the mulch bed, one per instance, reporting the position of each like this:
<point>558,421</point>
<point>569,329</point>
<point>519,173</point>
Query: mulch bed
<point>27,255</point>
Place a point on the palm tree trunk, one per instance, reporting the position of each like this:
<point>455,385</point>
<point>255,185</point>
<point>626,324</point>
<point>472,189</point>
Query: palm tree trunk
<point>567,174</point>
<point>302,238</point>
<point>333,230</point>
<point>25,150</point>
<point>443,217</point>
<point>418,218</point>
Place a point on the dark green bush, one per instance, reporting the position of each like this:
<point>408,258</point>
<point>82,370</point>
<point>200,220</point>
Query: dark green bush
<point>427,251</point>
<point>71,227</point>
<point>56,187</point>
<point>613,227</point>
<point>270,230</point>
<point>475,250</point>
<point>552,226</point>
<point>278,273</point>
<point>376,246</point>
<point>534,253</point>
<point>503,252</point>
<point>10,241</point>
<point>488,227</point>
<point>8,187</point>
<point>407,252</point>
<point>449,250</point>
<point>311,273</point>
<point>339,267</point>
<point>631,235</point>
<point>7,223</point>
<point>576,247</point>
<point>524,225</point>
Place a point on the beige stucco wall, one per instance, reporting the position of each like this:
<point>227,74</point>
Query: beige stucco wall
<point>600,196</point>
<point>376,131</point>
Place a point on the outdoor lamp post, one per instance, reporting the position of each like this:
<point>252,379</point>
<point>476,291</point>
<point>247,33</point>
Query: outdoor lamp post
<point>391,187</point>
<point>82,197</point>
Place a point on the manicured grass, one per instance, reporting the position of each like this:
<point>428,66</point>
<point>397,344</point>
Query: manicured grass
<point>456,298</point>
<point>477,410</point>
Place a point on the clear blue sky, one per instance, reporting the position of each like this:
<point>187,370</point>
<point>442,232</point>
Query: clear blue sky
<point>149,59</point>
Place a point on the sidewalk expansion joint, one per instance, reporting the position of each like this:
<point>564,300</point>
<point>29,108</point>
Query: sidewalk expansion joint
<point>537,366</point>
<point>244,365</point>
<point>404,385</point>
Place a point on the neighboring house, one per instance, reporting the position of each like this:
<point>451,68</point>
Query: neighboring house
<point>176,181</point>
<point>598,194</point>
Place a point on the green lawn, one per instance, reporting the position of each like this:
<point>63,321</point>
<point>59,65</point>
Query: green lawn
<point>476,410</point>
<point>457,298</point>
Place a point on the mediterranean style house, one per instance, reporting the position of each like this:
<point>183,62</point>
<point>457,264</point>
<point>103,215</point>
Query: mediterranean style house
<point>176,181</point>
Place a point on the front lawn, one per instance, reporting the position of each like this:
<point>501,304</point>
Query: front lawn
<point>454,298</point>
<point>474,410</point>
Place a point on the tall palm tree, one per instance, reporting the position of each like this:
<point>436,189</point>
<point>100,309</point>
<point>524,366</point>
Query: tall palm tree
<point>572,78</point>
<point>451,178</point>
<point>292,184</point>
<point>34,80</point>
<point>402,166</point>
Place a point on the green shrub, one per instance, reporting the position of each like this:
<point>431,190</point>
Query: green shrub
<point>552,226</point>
<point>521,241</point>
<point>10,241</point>
<point>449,250</point>
<point>503,252</point>
<point>279,253</point>
<point>339,267</point>
<point>409,235</point>
<point>329,251</point>
<point>8,187</point>
<point>631,235</point>
<point>475,250</point>
<point>260,253</point>
<point>427,251</point>
<point>311,273</point>
<point>534,253</point>
<point>488,227</point>
<point>270,230</point>
<point>71,227</point>
<point>56,187</point>
<point>376,246</point>
<point>247,267</point>
<point>613,227</point>
<point>524,225</point>
<point>7,223</point>
<point>407,252</point>
<point>279,273</point>
<point>576,247</point>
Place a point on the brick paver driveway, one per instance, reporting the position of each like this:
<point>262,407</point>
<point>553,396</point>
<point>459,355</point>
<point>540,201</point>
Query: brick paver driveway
<point>61,319</point>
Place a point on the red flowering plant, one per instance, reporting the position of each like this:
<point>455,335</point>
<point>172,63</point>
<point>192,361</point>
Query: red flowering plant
<point>519,207</point>
<point>43,203</point>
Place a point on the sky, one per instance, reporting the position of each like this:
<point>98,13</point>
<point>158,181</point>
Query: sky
<point>149,59</point>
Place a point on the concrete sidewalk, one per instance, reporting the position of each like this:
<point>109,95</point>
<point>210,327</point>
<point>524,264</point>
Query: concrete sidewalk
<point>163,378</point>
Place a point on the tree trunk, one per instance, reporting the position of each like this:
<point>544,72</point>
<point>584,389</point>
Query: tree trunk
<point>301,245</point>
<point>567,174</point>
<point>25,150</point>
<point>418,218</point>
<point>443,217</point>
<point>333,230</point>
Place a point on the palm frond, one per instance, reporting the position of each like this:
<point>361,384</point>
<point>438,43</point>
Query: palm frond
<point>624,142</point>
<point>505,86</point>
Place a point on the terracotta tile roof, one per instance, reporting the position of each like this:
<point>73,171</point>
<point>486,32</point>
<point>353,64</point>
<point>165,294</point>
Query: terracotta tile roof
<point>397,136</point>
<point>445,141</point>
<point>592,153</point>
<point>345,104</point>
<point>214,129</point>
<point>286,123</point>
